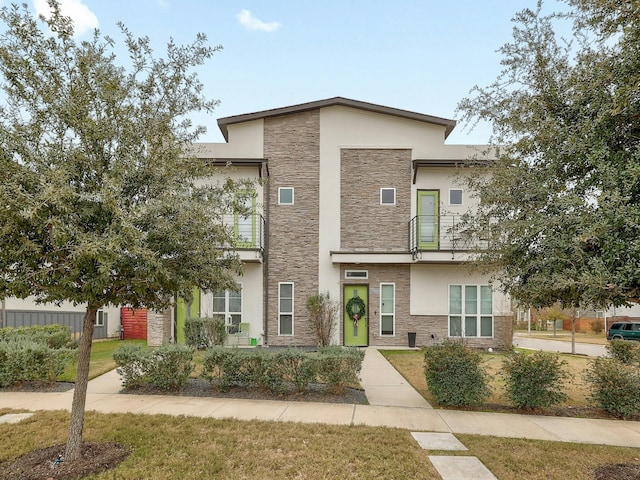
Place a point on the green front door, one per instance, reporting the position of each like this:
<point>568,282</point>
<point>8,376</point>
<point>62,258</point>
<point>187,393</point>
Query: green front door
<point>356,333</point>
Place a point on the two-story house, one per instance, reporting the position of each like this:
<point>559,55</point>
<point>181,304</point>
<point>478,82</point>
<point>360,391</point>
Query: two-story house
<point>358,200</point>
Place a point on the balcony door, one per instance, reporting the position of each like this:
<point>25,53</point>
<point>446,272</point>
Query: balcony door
<point>428,213</point>
<point>245,222</point>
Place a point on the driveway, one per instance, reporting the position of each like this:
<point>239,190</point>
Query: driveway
<point>523,341</point>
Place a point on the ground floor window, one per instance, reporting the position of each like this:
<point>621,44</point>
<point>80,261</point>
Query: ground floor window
<point>387,308</point>
<point>227,306</point>
<point>101,318</point>
<point>285,308</point>
<point>470,311</point>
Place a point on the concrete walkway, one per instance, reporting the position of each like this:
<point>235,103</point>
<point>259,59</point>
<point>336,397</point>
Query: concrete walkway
<point>392,403</point>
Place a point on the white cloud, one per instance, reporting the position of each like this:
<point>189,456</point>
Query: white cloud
<point>252,23</point>
<point>84,20</point>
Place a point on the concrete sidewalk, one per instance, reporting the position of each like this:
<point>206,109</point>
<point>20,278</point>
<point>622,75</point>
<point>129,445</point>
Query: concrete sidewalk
<point>393,403</point>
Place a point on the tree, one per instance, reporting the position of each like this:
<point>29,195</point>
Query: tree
<point>98,197</point>
<point>322,316</point>
<point>559,209</point>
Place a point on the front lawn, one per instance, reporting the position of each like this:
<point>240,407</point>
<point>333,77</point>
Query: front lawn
<point>166,447</point>
<point>410,364</point>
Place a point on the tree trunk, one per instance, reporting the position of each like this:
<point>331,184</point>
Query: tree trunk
<point>76,424</point>
<point>573,335</point>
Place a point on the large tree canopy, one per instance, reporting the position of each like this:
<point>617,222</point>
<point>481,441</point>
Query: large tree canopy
<point>560,207</point>
<point>99,202</point>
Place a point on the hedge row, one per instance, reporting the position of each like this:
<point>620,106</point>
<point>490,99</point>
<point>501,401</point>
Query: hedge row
<point>38,353</point>
<point>455,376</point>
<point>167,367</point>
<point>280,370</point>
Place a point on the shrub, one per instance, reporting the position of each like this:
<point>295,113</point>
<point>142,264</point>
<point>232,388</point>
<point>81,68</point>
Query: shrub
<point>23,360</point>
<point>535,380</point>
<point>131,365</point>
<point>170,366</point>
<point>204,332</point>
<point>296,367</point>
<point>454,374</point>
<point>615,386</point>
<point>339,367</point>
<point>54,336</point>
<point>597,326</point>
<point>322,314</point>
<point>624,351</point>
<point>167,367</point>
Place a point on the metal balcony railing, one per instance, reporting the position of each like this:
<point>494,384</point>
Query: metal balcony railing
<point>438,233</point>
<point>249,231</point>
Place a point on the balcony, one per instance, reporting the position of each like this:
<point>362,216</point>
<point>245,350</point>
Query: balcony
<point>444,233</point>
<point>249,232</point>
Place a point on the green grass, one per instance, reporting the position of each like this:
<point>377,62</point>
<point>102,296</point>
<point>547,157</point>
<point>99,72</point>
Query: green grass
<point>410,364</point>
<point>101,359</point>
<point>166,447</point>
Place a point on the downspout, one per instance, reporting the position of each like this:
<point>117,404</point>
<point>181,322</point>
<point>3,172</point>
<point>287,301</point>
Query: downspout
<point>3,316</point>
<point>265,262</point>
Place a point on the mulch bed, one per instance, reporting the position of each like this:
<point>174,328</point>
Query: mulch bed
<point>39,464</point>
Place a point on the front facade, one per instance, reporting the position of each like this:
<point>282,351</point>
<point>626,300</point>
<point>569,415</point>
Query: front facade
<point>357,200</point>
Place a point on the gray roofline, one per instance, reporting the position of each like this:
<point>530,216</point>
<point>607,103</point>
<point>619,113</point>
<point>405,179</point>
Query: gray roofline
<point>330,102</point>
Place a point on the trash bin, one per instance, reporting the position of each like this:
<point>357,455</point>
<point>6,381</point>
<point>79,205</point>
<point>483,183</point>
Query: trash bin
<point>254,342</point>
<point>412,339</point>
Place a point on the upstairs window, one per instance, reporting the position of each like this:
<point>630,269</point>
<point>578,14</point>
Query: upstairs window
<point>387,196</point>
<point>285,196</point>
<point>455,196</point>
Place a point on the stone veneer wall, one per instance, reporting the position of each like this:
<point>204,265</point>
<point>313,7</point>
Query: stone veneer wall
<point>292,147</point>
<point>158,327</point>
<point>364,223</point>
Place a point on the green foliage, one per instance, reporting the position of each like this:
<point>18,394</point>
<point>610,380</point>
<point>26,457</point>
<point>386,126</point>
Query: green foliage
<point>276,371</point>
<point>22,359</point>
<point>558,209</point>
<point>534,380</point>
<point>615,386</point>
<point>624,351</point>
<point>454,374</point>
<point>202,333</point>
<point>54,336</point>
<point>167,367</point>
<point>339,367</point>
<point>322,316</point>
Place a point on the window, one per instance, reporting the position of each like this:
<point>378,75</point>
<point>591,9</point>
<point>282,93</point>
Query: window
<point>455,196</point>
<point>101,318</point>
<point>245,222</point>
<point>227,306</point>
<point>387,308</point>
<point>428,213</point>
<point>356,274</point>
<point>387,196</point>
<point>285,196</point>
<point>470,311</point>
<point>285,309</point>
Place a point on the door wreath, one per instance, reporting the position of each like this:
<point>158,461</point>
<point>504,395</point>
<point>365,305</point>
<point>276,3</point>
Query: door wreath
<point>355,309</point>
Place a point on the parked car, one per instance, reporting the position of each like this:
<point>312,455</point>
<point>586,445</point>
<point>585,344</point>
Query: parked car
<point>624,331</point>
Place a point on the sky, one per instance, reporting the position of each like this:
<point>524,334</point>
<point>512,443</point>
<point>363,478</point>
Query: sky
<point>418,55</point>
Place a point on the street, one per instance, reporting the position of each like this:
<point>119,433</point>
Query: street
<point>522,340</point>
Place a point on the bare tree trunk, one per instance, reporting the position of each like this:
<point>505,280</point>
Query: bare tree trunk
<point>76,424</point>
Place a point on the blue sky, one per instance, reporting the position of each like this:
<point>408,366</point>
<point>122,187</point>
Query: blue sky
<point>418,55</point>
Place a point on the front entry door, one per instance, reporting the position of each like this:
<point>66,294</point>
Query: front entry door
<point>356,333</point>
